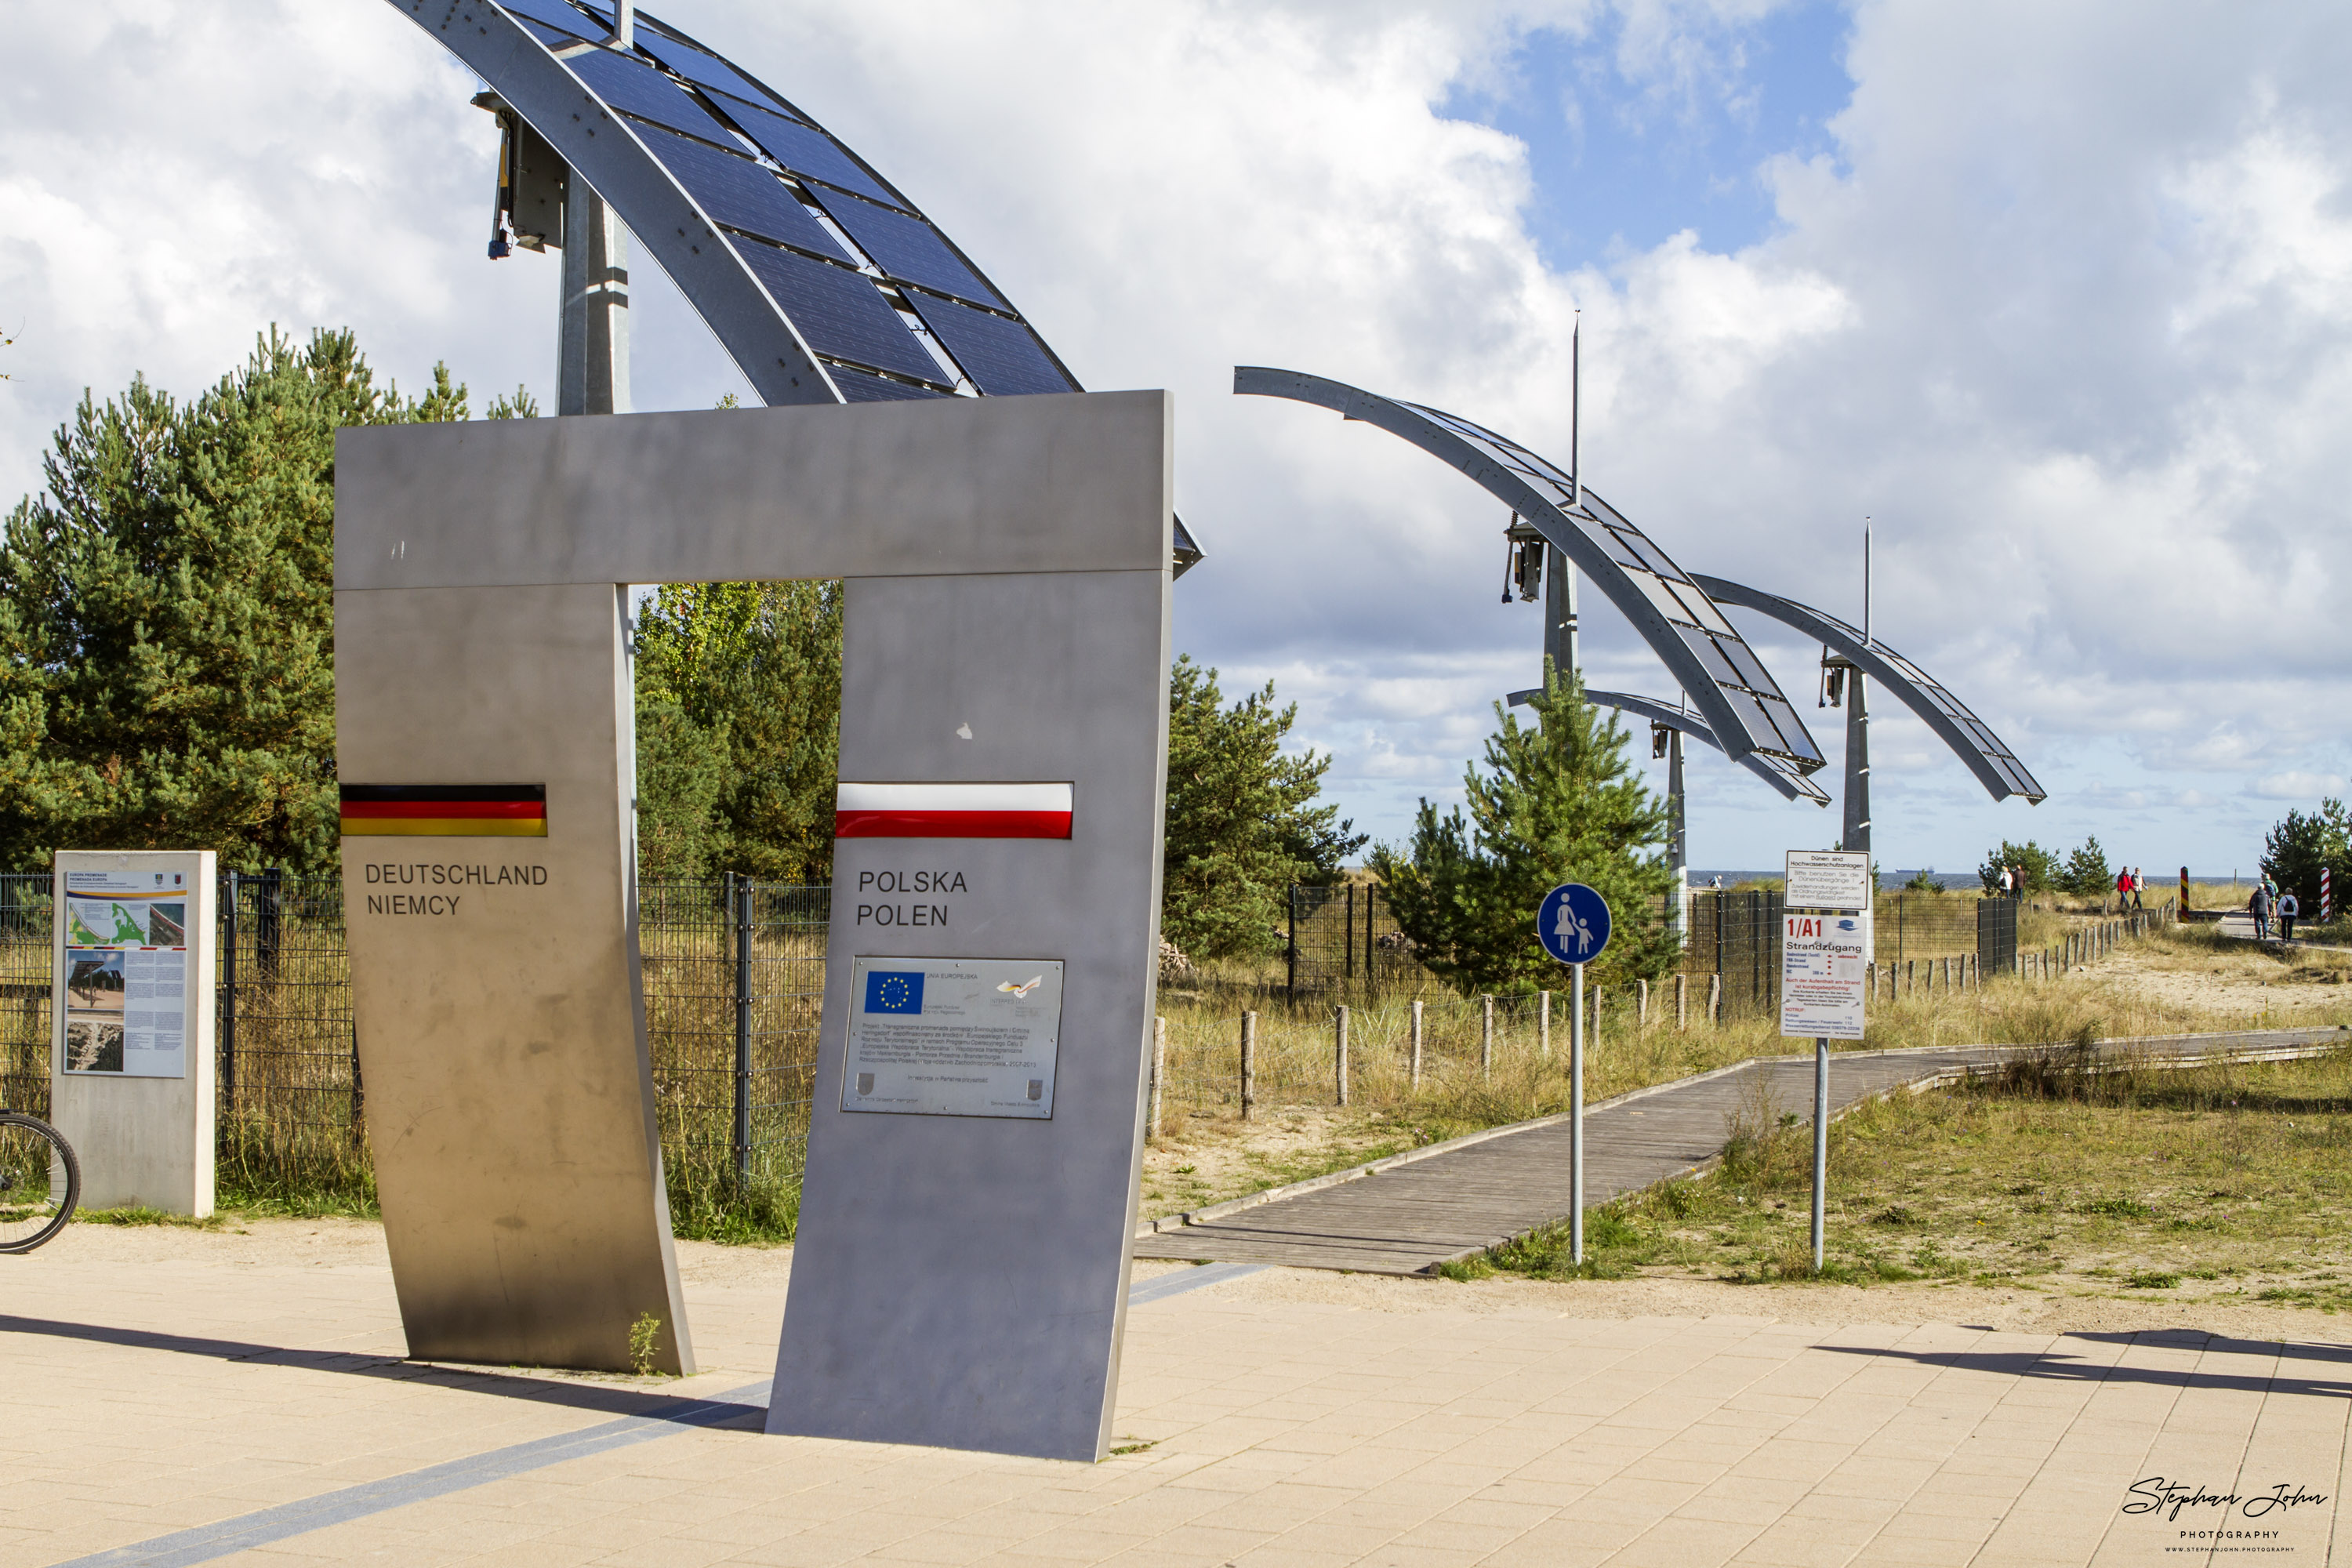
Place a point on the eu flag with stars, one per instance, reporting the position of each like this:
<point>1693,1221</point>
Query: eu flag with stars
<point>893,991</point>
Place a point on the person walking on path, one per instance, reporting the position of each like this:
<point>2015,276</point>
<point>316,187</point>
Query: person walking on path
<point>2004,883</point>
<point>2287,909</point>
<point>2140,886</point>
<point>2259,906</point>
<point>2123,889</point>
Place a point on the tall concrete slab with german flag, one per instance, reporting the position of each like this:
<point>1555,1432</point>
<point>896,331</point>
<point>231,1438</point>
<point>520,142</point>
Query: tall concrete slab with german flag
<point>975,1132</point>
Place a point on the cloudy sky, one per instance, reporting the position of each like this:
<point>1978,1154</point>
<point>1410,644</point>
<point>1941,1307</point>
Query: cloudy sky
<point>2059,295</point>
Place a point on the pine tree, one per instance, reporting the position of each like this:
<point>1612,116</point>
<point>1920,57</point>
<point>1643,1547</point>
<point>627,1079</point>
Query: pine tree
<point>2043,867</point>
<point>166,615</point>
<point>1242,822</point>
<point>2296,849</point>
<point>752,672</point>
<point>1559,803</point>
<point>2087,873</point>
<point>681,774</point>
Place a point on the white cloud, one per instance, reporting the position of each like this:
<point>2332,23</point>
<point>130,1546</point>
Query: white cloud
<point>2065,311</point>
<point>2306,788</point>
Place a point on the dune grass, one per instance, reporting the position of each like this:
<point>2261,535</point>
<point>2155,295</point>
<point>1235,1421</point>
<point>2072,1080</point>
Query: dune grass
<point>1462,1088</point>
<point>2219,1182</point>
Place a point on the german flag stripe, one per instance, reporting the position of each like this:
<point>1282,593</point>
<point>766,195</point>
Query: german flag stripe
<point>372,794</point>
<point>458,811</point>
<point>508,810</point>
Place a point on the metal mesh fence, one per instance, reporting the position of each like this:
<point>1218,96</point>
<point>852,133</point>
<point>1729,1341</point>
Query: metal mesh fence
<point>25,992</point>
<point>1997,936</point>
<point>1925,925</point>
<point>734,979</point>
<point>1737,935</point>
<point>1344,934</point>
<point>291,1104</point>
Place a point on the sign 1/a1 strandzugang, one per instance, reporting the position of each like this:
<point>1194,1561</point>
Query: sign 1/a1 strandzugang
<point>1823,961</point>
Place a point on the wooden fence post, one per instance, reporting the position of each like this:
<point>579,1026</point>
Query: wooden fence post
<point>1715,999</point>
<point>1487,1037</point>
<point>1416,1044</point>
<point>1642,1005</point>
<point>1682,1001</point>
<point>1543,1025</point>
<point>1249,1064</point>
<point>1342,1055</point>
<point>1592,1025</point>
<point>1159,1073</point>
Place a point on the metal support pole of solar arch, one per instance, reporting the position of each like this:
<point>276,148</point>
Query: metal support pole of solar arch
<point>1560,611</point>
<point>1576,1120</point>
<point>1821,1141</point>
<point>1857,837</point>
<point>1677,802</point>
<point>1575,402</point>
<point>593,322</point>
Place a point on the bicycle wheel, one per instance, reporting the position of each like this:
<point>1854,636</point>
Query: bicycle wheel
<point>40,1181</point>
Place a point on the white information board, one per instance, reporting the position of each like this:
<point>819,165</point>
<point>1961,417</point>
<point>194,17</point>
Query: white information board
<point>124,972</point>
<point>1823,959</point>
<point>1827,880</point>
<point>953,1036</point>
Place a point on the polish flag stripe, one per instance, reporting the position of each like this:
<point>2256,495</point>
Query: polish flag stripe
<point>951,811</point>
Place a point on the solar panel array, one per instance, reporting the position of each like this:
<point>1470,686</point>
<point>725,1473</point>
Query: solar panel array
<point>885,301</point>
<point>1922,692</point>
<point>1783,774</point>
<point>1741,678</point>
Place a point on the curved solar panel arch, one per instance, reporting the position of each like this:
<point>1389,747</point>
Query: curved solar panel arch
<point>820,279</point>
<point>1744,709</point>
<point>1971,738</point>
<point>1778,772</point>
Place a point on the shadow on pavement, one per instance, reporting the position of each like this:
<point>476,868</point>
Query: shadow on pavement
<point>2054,1365</point>
<point>684,1408</point>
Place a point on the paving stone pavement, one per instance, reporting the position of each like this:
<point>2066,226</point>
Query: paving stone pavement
<point>146,1398</point>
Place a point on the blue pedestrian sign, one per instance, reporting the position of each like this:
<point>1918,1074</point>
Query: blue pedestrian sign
<point>1572,923</point>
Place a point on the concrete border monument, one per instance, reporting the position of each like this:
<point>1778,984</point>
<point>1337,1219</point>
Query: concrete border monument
<point>960,1273</point>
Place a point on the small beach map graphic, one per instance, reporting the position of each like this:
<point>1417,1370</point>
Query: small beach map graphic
<point>105,923</point>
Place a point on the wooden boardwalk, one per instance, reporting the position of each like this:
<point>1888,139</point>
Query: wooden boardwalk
<point>1409,1213</point>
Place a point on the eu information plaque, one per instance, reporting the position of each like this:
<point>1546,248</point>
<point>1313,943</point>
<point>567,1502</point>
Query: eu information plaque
<point>953,1036</point>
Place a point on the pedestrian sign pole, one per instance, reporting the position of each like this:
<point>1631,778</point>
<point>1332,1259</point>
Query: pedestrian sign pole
<point>1572,923</point>
<point>1824,958</point>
